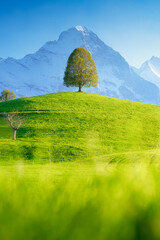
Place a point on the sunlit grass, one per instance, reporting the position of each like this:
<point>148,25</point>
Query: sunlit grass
<point>73,126</point>
<point>81,200</point>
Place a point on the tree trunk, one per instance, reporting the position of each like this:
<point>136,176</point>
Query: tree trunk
<point>14,134</point>
<point>80,88</point>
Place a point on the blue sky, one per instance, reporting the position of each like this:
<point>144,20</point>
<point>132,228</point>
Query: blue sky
<point>131,27</point>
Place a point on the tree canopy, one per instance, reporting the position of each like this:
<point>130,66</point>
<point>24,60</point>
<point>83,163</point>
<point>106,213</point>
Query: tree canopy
<point>7,95</point>
<point>81,70</point>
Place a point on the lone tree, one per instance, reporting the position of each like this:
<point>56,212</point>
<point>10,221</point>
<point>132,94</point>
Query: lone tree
<point>7,95</point>
<point>81,70</point>
<point>15,121</point>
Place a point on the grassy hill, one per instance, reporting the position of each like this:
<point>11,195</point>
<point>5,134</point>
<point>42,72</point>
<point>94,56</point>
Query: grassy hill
<point>113,195</point>
<point>70,126</point>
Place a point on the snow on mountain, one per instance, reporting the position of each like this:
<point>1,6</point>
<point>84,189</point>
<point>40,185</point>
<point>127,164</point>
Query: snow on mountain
<point>42,72</point>
<point>150,70</point>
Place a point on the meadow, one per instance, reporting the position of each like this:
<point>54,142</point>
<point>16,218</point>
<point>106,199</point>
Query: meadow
<point>83,166</point>
<point>72,126</point>
<point>80,200</point>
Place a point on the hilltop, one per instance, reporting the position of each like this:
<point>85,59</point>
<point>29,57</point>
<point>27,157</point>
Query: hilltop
<point>71,126</point>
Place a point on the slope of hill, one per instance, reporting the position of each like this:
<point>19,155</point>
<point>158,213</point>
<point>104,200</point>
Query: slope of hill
<point>70,126</point>
<point>42,72</point>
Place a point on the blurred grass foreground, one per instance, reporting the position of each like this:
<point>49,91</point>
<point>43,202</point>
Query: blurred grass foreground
<point>80,201</point>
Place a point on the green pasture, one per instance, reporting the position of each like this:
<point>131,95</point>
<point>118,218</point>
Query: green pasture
<point>72,126</point>
<point>83,167</point>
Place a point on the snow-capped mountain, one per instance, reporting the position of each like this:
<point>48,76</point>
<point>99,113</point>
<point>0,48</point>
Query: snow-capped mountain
<point>150,70</point>
<point>42,72</point>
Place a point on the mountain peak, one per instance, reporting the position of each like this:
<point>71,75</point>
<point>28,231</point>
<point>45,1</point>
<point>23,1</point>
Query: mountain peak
<point>81,29</point>
<point>155,58</point>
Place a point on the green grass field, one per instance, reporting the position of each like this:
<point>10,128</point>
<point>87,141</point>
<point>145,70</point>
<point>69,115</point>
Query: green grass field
<point>80,200</point>
<point>83,167</point>
<point>72,126</point>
